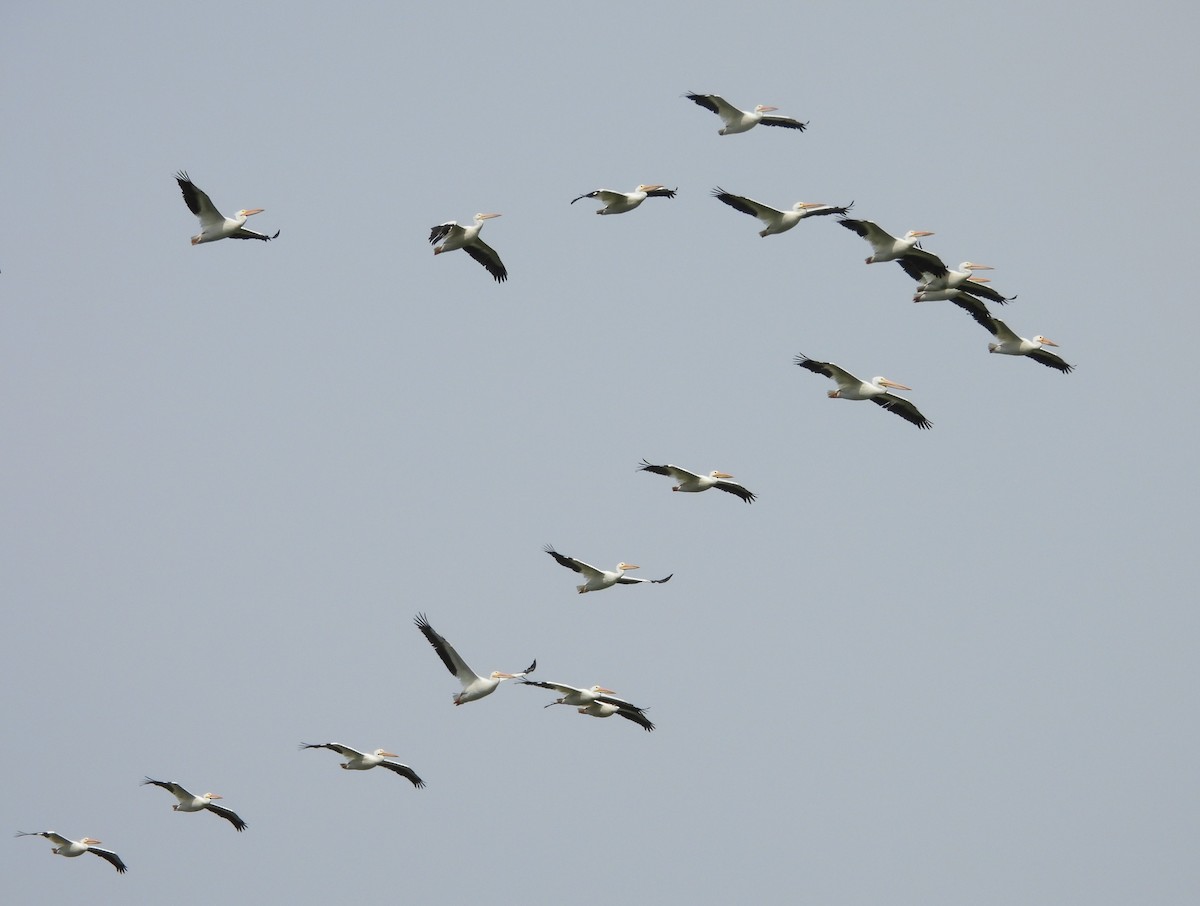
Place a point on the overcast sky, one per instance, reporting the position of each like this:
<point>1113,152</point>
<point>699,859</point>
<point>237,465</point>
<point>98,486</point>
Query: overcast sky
<point>925,667</point>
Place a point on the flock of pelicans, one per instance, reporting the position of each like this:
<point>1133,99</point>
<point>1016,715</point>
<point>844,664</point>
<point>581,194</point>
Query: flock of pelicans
<point>935,281</point>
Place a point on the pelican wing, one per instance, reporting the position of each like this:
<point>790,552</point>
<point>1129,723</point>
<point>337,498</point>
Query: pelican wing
<point>918,263</point>
<point>557,687</point>
<point>662,193</point>
<point>1001,331</point>
<point>619,702</point>
<point>486,255</point>
<point>172,787</point>
<point>637,717</point>
<point>49,835</point>
<point>732,487</point>
<point>868,230</point>
<point>244,233</point>
<point>825,210</point>
<point>344,751</point>
<point>440,232</point>
<point>404,771</point>
<point>983,291</point>
<point>1049,359</point>
<point>828,369</point>
<point>747,205</point>
<point>110,857</point>
<point>975,308</point>
<point>446,652</point>
<point>673,471</point>
<point>608,196</point>
<point>786,122</point>
<point>715,103</point>
<point>902,408</point>
<point>629,580</point>
<point>198,202</point>
<point>579,566</point>
<point>238,824</point>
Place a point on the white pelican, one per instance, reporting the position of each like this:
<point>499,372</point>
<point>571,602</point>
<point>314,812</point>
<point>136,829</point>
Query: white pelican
<point>963,299</point>
<point>620,202</point>
<point>776,221</point>
<point>364,761</point>
<point>931,273</point>
<point>851,388</point>
<point>474,685</point>
<point>1011,344</point>
<point>888,247</point>
<point>598,579</point>
<point>597,696</point>
<point>693,483</point>
<point>72,848</point>
<point>453,235</point>
<point>607,709</point>
<point>189,803</point>
<point>742,120</point>
<point>213,224</point>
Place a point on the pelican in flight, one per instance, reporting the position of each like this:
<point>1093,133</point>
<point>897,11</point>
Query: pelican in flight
<point>189,803</point>
<point>598,579</point>
<point>888,248</point>
<point>961,297</point>
<point>742,120</point>
<point>364,761</point>
<point>931,273</point>
<point>213,224</point>
<point>453,235</point>
<point>774,220</point>
<point>851,388</point>
<point>1011,344</point>
<point>620,202</point>
<point>693,483</point>
<point>596,701</point>
<point>72,848</point>
<point>473,685</point>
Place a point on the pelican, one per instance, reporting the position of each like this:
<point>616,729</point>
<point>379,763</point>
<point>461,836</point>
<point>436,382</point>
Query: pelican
<point>598,579</point>
<point>189,803</point>
<point>1011,344</point>
<point>776,221</point>
<point>742,120</point>
<point>961,297</point>
<point>620,202</point>
<point>473,685</point>
<point>851,388</point>
<point>453,236</point>
<point>888,247</point>
<point>607,709</point>
<point>597,696</point>
<point>972,286</point>
<point>213,224</point>
<point>692,483</point>
<point>931,273</point>
<point>72,848</point>
<point>364,761</point>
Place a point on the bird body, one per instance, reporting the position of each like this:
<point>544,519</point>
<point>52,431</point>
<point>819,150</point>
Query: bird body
<point>1011,344</point>
<point>775,220</point>
<point>364,761</point>
<point>620,202</point>
<point>453,236</point>
<point>596,701</point>
<point>599,579</point>
<point>192,803</point>
<point>850,387</point>
<point>690,482</point>
<point>474,686</point>
<point>887,247</point>
<point>742,120</point>
<point>73,848</point>
<point>213,224</point>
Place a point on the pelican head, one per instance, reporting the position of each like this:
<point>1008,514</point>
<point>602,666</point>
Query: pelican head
<point>212,796</point>
<point>763,108</point>
<point>1045,341</point>
<point>90,841</point>
<point>648,188</point>
<point>482,217</point>
<point>917,234</point>
<point>602,690</point>
<point>719,475</point>
<point>382,754</point>
<point>626,566</point>
<point>247,213</point>
<point>807,205</point>
<point>884,382</point>
<point>498,675</point>
<point>972,266</point>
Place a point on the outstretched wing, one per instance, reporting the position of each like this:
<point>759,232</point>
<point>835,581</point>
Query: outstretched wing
<point>629,580</point>
<point>404,771</point>
<point>486,255</point>
<point>238,824</point>
<point>902,408</point>
<point>198,201</point>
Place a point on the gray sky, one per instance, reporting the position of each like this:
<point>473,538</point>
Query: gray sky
<point>924,668</point>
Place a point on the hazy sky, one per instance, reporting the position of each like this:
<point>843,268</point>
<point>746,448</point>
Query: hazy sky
<point>925,667</point>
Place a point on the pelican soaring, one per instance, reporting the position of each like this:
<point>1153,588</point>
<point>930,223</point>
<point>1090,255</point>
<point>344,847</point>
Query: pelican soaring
<point>620,202</point>
<point>364,761</point>
<point>932,273</point>
<point>473,685</point>
<point>584,699</point>
<point>453,235</point>
<point>1011,344</point>
<point>598,579</point>
<point>776,221</point>
<point>851,388</point>
<point>888,248</point>
<point>972,286</point>
<point>72,848</point>
<point>213,224</point>
<point>692,483</point>
<point>961,297</point>
<point>742,120</point>
<point>190,803</point>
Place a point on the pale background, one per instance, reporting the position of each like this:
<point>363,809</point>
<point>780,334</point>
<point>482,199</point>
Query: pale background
<point>926,667</point>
